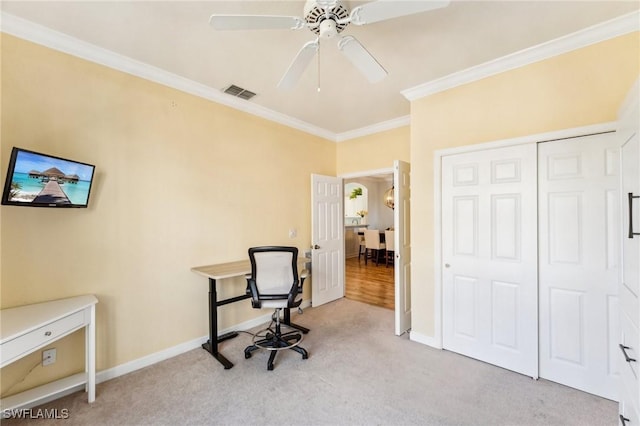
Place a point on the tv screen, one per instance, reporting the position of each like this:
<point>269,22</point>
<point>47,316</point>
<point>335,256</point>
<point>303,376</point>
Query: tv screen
<point>41,180</point>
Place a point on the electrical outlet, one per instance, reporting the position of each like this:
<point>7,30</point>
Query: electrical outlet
<point>48,357</point>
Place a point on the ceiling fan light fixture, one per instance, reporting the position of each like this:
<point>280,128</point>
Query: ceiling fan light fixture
<point>327,19</point>
<point>328,29</point>
<point>317,12</point>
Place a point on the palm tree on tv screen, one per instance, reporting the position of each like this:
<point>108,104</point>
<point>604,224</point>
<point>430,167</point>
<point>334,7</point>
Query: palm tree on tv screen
<point>15,189</point>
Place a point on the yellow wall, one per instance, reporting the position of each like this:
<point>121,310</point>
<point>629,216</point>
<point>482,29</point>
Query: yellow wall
<point>579,88</point>
<point>180,182</point>
<point>373,152</point>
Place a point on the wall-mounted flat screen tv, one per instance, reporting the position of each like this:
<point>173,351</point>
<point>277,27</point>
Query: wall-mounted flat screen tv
<point>41,180</point>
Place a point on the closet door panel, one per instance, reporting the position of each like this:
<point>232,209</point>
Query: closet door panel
<point>489,252</point>
<point>579,230</point>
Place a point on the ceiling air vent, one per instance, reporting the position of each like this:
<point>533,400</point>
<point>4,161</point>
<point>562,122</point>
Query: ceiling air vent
<point>239,92</point>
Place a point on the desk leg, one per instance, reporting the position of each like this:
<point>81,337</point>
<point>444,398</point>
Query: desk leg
<point>212,345</point>
<point>287,320</point>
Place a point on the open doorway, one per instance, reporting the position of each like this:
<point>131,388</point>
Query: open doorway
<point>366,281</point>
<point>398,199</point>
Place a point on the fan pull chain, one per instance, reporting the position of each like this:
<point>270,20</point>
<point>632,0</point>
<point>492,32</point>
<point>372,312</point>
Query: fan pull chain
<point>319,64</point>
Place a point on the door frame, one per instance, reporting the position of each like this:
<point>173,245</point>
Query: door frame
<point>368,173</point>
<point>436,340</point>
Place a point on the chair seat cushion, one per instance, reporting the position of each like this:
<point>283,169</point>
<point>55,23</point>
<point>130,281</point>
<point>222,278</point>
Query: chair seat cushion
<point>280,303</point>
<point>273,304</point>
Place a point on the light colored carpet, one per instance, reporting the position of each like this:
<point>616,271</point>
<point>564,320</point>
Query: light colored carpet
<point>358,373</point>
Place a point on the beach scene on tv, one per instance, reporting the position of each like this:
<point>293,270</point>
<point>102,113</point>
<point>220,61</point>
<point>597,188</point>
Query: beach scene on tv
<point>41,179</point>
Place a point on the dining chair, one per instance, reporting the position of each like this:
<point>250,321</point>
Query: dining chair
<point>373,245</point>
<point>362,249</point>
<point>390,247</point>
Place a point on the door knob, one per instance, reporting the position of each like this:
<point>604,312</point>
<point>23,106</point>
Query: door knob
<point>315,247</point>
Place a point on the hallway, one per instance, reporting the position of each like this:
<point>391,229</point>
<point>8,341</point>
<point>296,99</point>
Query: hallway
<point>369,283</point>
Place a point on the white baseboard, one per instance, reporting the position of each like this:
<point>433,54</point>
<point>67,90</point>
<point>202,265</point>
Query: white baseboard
<point>131,366</point>
<point>137,364</point>
<point>181,348</point>
<point>425,340</point>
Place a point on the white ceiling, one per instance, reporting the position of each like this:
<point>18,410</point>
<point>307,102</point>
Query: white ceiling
<point>175,36</point>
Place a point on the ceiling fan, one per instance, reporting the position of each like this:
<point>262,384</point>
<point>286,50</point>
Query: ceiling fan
<point>327,19</point>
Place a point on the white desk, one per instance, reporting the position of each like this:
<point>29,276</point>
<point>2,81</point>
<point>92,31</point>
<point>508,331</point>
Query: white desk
<point>229,270</point>
<point>25,329</point>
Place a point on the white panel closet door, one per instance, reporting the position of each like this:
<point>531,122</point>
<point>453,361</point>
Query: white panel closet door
<point>579,256</point>
<point>628,129</point>
<point>630,290</point>
<point>489,247</point>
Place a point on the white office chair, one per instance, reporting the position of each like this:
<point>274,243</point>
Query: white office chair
<point>389,243</point>
<point>373,245</point>
<point>274,284</point>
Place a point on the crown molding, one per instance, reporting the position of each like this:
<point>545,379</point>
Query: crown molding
<point>374,128</point>
<point>55,40</point>
<point>600,32</point>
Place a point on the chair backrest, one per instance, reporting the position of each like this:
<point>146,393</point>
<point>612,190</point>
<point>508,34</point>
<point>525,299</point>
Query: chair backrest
<point>389,240</point>
<point>274,275</point>
<point>361,237</point>
<point>372,239</point>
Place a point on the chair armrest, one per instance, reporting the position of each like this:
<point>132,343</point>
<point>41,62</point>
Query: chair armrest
<point>248,277</point>
<point>303,275</point>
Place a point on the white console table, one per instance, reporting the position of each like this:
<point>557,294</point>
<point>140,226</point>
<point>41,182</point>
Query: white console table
<point>25,329</point>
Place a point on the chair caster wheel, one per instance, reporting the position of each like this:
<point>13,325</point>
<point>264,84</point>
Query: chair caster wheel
<point>305,356</point>
<point>270,367</point>
<point>247,355</point>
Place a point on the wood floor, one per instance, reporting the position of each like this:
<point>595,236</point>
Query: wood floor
<point>369,283</point>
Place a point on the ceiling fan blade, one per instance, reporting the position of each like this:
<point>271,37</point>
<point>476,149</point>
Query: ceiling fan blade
<point>362,59</point>
<point>381,10</point>
<point>299,64</point>
<point>255,22</point>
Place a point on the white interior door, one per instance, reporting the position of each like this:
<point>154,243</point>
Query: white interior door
<point>327,239</point>
<point>402,243</point>
<point>579,259</point>
<point>489,249</point>
<point>631,225</point>
<point>628,129</point>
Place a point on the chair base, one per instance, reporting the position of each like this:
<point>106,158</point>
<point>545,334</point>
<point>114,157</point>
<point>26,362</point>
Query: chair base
<point>275,341</point>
